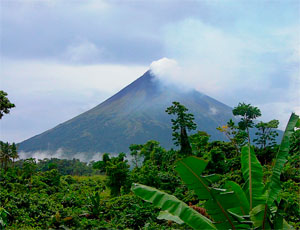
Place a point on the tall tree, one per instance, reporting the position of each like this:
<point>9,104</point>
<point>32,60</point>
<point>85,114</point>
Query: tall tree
<point>184,121</point>
<point>266,134</point>
<point>14,152</point>
<point>135,153</point>
<point>5,104</point>
<point>248,113</point>
<point>5,155</point>
<point>117,171</point>
<point>236,136</point>
<point>101,165</point>
<point>199,142</point>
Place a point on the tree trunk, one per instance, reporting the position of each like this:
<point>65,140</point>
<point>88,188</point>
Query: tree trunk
<point>186,148</point>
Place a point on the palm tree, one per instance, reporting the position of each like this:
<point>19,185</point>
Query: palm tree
<point>5,155</point>
<point>8,153</point>
<point>14,153</point>
<point>1,155</point>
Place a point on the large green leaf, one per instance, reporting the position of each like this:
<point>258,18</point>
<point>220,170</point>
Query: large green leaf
<point>190,170</point>
<point>212,178</point>
<point>298,124</point>
<point>258,216</point>
<point>165,215</point>
<point>218,200</point>
<point>253,176</point>
<point>274,186</point>
<point>240,198</point>
<point>173,206</point>
<point>280,223</point>
<point>217,207</point>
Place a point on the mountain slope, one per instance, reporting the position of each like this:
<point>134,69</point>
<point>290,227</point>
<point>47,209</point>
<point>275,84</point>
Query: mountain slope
<point>134,115</point>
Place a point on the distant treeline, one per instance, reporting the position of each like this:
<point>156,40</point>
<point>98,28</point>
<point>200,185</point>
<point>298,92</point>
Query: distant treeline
<point>64,166</point>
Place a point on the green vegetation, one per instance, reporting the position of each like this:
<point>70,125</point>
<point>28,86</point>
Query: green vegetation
<point>266,133</point>
<point>8,154</point>
<point>183,122</point>
<point>5,104</point>
<point>248,113</point>
<point>230,206</point>
<point>204,185</point>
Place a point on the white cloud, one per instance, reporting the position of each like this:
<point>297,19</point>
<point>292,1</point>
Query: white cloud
<point>94,5</point>
<point>46,76</point>
<point>60,153</point>
<point>168,72</point>
<point>164,67</point>
<point>84,51</point>
<point>213,110</point>
<point>42,154</point>
<point>280,111</point>
<point>211,58</point>
<point>257,68</point>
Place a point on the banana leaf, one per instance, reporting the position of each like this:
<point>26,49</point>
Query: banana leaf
<point>218,200</point>
<point>173,206</point>
<point>253,176</point>
<point>190,170</point>
<point>258,215</point>
<point>274,186</point>
<point>165,215</point>
<point>240,198</point>
<point>212,178</point>
<point>217,207</point>
<point>298,123</point>
<point>280,223</point>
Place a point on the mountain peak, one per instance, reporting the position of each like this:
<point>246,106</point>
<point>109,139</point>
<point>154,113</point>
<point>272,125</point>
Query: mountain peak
<point>134,115</point>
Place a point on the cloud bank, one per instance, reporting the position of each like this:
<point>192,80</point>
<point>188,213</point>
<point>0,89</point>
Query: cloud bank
<point>60,154</point>
<point>233,67</point>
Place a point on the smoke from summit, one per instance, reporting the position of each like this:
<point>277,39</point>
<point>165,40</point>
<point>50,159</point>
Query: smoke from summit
<point>168,72</point>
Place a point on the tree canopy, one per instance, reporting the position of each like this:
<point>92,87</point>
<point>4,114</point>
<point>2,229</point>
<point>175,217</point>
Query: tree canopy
<point>5,104</point>
<point>184,121</point>
<point>248,113</point>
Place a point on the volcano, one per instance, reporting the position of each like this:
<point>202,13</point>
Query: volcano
<point>134,115</point>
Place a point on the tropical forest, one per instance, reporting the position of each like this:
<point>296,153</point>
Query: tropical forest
<point>248,181</point>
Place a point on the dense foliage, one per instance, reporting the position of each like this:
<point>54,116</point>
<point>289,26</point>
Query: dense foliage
<point>70,194</point>
<point>184,122</point>
<point>257,205</point>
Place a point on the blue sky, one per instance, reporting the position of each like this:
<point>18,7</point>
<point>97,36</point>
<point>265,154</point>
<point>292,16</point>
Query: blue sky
<point>62,57</point>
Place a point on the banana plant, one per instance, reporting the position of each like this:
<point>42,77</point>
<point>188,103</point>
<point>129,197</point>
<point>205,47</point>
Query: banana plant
<point>173,208</point>
<point>262,214</point>
<point>221,204</point>
<point>231,207</point>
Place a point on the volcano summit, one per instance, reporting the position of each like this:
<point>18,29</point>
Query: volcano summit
<point>134,115</point>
